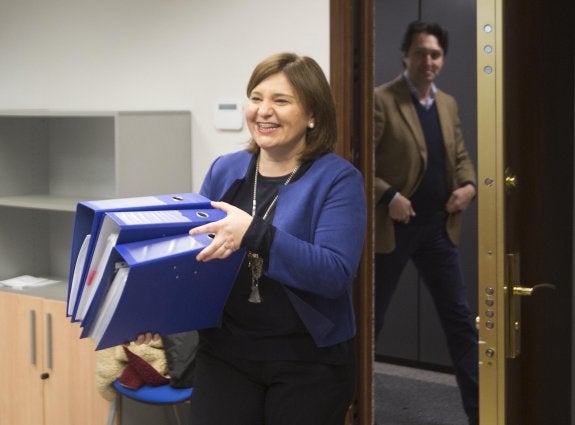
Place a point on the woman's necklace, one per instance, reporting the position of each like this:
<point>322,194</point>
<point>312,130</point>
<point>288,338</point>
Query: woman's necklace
<point>255,262</point>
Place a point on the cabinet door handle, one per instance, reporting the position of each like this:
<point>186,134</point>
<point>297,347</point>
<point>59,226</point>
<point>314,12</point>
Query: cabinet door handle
<point>49,343</point>
<point>33,337</point>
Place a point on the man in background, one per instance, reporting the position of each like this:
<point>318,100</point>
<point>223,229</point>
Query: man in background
<point>424,180</point>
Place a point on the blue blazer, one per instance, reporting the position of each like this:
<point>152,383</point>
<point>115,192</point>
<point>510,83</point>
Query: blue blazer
<point>320,222</point>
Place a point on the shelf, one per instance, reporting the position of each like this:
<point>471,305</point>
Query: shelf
<point>40,202</point>
<point>51,160</point>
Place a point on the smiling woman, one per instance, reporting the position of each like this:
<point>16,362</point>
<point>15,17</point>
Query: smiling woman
<point>285,347</point>
<point>278,123</point>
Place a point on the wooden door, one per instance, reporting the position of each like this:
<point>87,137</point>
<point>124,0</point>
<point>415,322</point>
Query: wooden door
<point>526,110</point>
<point>47,375</point>
<point>21,385</point>
<point>70,395</point>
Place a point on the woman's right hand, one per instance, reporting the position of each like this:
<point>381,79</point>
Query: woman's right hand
<point>228,232</point>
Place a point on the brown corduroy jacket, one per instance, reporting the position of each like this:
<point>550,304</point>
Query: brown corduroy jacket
<point>401,154</point>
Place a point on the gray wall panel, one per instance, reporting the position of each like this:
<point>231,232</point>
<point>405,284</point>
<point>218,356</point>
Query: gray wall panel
<point>391,18</point>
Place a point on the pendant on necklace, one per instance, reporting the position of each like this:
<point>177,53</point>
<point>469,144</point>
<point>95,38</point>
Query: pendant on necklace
<point>255,263</point>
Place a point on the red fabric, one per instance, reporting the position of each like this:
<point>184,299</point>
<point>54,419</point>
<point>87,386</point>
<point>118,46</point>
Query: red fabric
<point>138,373</point>
<point>130,378</point>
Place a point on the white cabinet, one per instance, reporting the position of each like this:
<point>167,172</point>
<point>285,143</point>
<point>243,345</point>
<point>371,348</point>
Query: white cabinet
<point>51,160</point>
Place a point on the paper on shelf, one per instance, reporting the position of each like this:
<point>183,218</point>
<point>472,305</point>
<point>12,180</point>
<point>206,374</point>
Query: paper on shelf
<point>27,281</point>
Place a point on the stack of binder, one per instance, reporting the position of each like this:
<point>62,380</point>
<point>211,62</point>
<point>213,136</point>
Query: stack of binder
<point>133,268</point>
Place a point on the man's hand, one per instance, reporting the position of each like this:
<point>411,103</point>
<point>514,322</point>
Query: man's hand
<point>460,199</point>
<point>400,209</point>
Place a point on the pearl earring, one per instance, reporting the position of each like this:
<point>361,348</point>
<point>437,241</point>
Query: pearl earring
<point>311,125</point>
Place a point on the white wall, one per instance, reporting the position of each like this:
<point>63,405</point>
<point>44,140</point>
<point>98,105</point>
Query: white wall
<point>151,54</point>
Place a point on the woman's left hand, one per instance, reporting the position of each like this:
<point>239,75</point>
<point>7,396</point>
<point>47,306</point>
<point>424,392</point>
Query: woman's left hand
<point>146,338</point>
<point>228,232</point>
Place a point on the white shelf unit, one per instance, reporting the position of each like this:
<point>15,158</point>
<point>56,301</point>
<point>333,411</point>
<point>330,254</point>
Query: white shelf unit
<point>51,160</point>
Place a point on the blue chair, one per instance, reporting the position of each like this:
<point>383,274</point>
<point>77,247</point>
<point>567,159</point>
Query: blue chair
<point>163,395</point>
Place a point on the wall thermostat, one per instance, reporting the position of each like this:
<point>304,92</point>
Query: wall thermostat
<point>229,115</point>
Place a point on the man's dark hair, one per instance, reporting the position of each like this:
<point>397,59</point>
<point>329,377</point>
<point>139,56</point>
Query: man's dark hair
<point>417,27</point>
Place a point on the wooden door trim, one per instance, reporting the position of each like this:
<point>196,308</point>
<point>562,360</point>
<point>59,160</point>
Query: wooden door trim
<point>351,77</point>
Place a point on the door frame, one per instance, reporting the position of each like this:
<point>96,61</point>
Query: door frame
<point>351,79</point>
<point>490,239</point>
<point>351,75</point>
